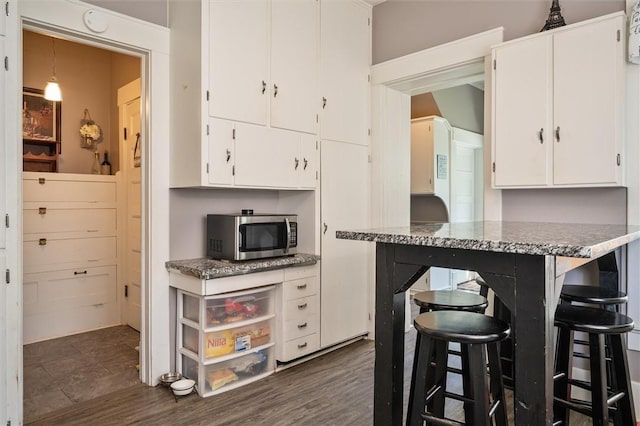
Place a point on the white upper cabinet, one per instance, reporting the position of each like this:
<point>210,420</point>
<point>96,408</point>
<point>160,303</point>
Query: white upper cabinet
<point>237,63</point>
<point>294,65</point>
<point>238,60</point>
<point>558,106</point>
<point>345,58</point>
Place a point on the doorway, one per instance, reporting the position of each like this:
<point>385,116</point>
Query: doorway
<point>74,297</point>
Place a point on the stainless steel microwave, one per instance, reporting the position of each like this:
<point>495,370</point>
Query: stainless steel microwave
<point>251,236</point>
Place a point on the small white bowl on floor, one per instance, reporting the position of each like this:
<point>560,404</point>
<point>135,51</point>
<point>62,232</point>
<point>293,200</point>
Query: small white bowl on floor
<point>183,387</point>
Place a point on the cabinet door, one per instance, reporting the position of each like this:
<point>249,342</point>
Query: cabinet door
<point>345,57</point>
<point>221,151</point>
<point>238,45</point>
<point>588,103</point>
<point>3,143</point>
<point>344,267</point>
<point>522,137</point>
<point>422,157</point>
<point>266,157</point>
<point>308,161</point>
<point>294,69</point>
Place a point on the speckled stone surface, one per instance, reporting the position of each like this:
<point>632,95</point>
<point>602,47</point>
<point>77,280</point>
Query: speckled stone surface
<point>557,239</point>
<point>207,269</point>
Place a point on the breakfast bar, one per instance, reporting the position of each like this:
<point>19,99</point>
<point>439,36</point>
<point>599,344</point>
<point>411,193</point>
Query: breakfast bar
<point>522,262</point>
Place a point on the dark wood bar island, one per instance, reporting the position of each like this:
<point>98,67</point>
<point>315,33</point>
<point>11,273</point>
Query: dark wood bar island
<point>523,263</point>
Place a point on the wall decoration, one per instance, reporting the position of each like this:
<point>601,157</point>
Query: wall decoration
<point>555,19</point>
<point>91,133</point>
<point>41,130</point>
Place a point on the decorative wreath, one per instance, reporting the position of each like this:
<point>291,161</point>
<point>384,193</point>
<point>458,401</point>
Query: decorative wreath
<point>90,131</point>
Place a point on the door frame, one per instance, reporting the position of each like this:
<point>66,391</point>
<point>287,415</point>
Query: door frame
<point>151,43</point>
<point>393,82</point>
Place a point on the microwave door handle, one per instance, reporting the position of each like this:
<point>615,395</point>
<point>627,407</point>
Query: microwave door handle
<point>288,244</point>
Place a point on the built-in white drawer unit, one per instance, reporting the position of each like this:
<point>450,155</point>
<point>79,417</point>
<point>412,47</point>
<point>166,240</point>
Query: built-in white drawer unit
<point>298,305</point>
<point>69,254</point>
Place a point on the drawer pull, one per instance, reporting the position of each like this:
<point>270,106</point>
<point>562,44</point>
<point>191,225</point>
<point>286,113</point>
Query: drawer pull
<point>92,230</point>
<point>42,242</point>
<point>302,345</point>
<point>42,210</point>
<point>301,326</point>
<point>302,287</point>
<point>92,260</point>
<point>41,181</point>
<point>80,273</point>
<point>303,306</point>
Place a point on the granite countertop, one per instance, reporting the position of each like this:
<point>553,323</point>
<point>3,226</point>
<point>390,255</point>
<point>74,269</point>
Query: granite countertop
<point>557,239</point>
<point>207,269</point>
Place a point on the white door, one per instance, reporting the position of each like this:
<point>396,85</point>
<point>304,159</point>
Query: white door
<point>345,47</point>
<point>343,268</point>
<point>238,46</point>
<point>131,159</point>
<point>294,40</point>
<point>585,59</point>
<point>522,113</point>
<point>3,178</point>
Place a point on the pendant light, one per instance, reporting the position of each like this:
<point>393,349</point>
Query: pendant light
<point>52,90</point>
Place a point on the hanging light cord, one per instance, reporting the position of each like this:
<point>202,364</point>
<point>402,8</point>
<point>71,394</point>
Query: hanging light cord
<point>53,47</point>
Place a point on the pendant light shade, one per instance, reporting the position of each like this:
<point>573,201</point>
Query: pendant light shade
<point>52,90</point>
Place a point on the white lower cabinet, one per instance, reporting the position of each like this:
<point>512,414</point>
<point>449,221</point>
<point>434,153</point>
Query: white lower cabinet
<point>298,320</point>
<point>226,340</point>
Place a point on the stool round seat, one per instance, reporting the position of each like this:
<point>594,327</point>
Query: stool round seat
<point>461,327</point>
<point>436,300</point>
<point>592,320</point>
<point>592,294</point>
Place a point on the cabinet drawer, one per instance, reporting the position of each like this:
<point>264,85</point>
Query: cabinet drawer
<point>85,222</point>
<point>299,347</point>
<point>222,311</point>
<point>49,292</point>
<point>293,329</point>
<point>227,375</point>
<point>57,252</point>
<point>298,272</point>
<point>300,308</point>
<point>228,341</point>
<point>300,288</point>
<point>69,188</point>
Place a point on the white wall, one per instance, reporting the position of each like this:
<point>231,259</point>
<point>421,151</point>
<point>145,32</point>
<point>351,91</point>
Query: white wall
<point>154,11</point>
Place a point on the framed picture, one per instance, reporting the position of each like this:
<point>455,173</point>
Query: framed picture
<point>41,131</point>
<point>40,118</point>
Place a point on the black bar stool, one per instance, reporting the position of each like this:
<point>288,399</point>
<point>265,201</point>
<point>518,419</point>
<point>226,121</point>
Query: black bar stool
<point>609,393</point>
<point>455,300</point>
<point>477,335</point>
<point>606,298</point>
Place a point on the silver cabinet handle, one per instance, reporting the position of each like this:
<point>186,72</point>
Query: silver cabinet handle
<point>228,155</point>
<point>324,102</point>
<point>302,306</point>
<point>558,133</point>
<point>297,162</point>
<point>325,228</point>
<point>80,273</point>
<point>264,87</point>
<point>301,326</point>
<point>541,135</point>
<point>275,90</point>
<point>301,286</point>
<point>306,163</point>
<point>42,210</point>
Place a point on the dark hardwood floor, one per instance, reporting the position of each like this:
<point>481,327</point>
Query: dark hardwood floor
<point>334,389</point>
